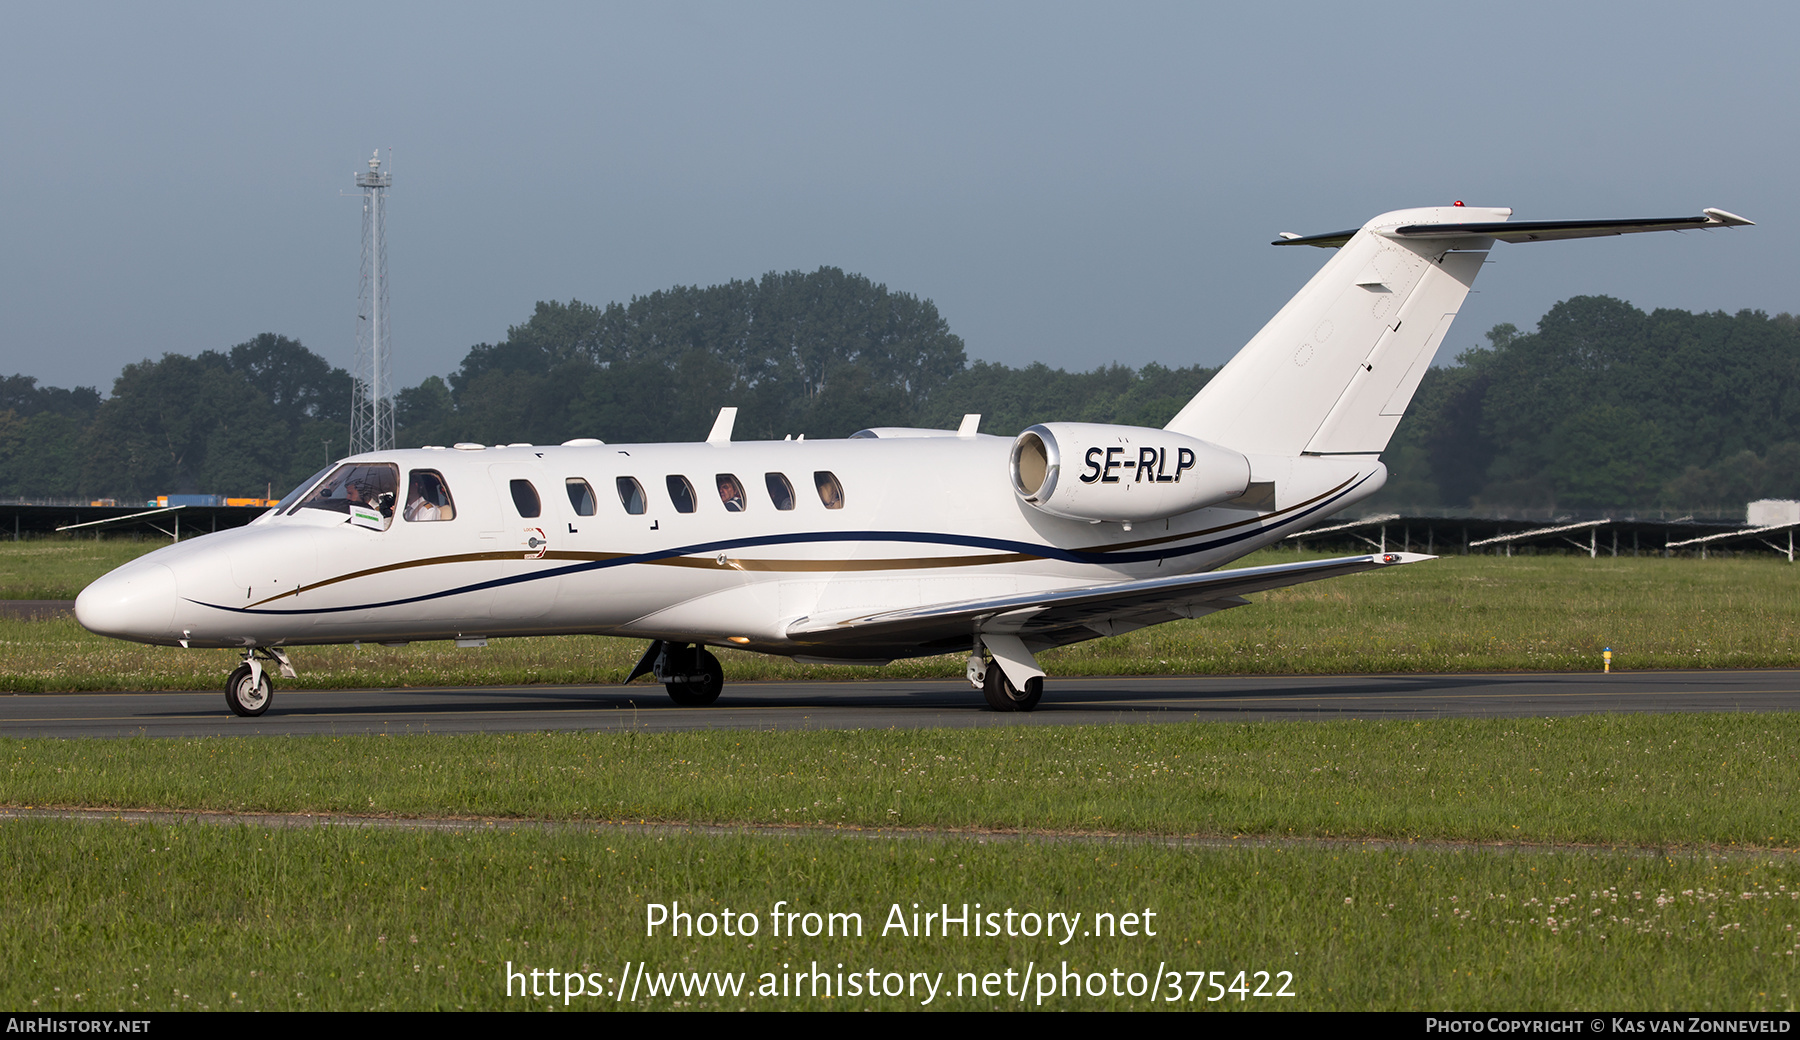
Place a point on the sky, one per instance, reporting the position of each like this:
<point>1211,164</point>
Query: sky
<point>1075,184</point>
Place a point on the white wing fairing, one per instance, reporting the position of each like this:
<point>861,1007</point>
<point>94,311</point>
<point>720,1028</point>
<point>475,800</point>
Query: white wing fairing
<point>894,543</point>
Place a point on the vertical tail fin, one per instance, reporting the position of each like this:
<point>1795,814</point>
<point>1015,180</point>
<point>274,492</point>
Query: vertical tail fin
<point>1334,370</point>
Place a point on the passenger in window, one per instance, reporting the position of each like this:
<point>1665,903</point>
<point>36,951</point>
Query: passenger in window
<point>731,493</point>
<point>780,491</point>
<point>830,491</point>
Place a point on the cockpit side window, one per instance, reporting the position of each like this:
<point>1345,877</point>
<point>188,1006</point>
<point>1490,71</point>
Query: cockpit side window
<point>525,499</point>
<point>631,495</point>
<point>428,497</point>
<point>681,493</point>
<point>830,491</point>
<point>731,492</point>
<point>364,490</point>
<point>780,491</point>
<point>581,496</point>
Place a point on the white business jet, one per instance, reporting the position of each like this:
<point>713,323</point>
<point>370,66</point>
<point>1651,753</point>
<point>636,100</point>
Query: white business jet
<point>893,543</point>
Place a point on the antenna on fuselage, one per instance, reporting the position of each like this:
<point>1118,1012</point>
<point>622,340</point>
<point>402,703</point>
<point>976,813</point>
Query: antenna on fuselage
<point>721,431</point>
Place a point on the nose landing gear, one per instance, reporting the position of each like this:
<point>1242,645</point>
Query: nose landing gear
<point>248,691</point>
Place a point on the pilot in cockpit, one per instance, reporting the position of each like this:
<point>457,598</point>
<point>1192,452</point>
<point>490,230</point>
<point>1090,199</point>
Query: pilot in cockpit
<point>427,499</point>
<point>363,490</point>
<point>361,494</point>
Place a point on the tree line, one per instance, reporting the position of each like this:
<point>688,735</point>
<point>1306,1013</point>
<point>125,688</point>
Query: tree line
<point>1605,407</point>
<point>1602,407</point>
<point>823,354</point>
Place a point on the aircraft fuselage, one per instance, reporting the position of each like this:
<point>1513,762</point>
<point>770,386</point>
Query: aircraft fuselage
<point>919,520</point>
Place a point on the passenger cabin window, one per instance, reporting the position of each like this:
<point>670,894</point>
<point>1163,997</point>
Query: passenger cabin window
<point>731,492</point>
<point>525,499</point>
<point>364,490</point>
<point>631,495</point>
<point>581,496</point>
<point>681,493</point>
<point>830,491</point>
<point>780,491</point>
<point>427,497</point>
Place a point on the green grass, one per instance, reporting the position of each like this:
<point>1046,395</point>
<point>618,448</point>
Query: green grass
<point>197,917</point>
<point>1455,614</point>
<point>149,916</point>
<point>60,567</point>
<point>1664,877</point>
<point>1647,780</point>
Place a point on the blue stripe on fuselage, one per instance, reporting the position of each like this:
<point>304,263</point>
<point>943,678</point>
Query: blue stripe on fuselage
<point>1048,552</point>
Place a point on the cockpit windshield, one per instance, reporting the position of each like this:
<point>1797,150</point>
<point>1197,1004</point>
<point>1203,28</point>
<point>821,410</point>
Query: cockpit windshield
<point>364,490</point>
<point>299,489</point>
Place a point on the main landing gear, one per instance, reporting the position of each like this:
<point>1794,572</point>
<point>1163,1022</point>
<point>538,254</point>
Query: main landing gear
<point>991,677</point>
<point>690,673</point>
<point>248,691</point>
<point>1002,695</point>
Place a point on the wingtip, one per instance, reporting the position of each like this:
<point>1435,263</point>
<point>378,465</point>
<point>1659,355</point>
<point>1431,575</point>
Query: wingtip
<point>1388,559</point>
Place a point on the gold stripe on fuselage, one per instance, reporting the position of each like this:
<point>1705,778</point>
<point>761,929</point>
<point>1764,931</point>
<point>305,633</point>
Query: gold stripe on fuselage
<point>778,565</point>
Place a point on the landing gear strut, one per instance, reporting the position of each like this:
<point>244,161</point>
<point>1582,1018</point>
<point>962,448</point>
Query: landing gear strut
<point>692,675</point>
<point>248,691</point>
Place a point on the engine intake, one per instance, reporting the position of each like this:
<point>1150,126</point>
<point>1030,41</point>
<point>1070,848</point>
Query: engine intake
<point>1094,471</point>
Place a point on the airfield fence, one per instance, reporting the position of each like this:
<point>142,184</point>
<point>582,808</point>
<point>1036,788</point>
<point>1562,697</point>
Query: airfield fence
<point>1566,534</point>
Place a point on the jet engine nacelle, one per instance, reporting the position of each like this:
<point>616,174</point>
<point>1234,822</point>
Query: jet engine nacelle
<point>1093,471</point>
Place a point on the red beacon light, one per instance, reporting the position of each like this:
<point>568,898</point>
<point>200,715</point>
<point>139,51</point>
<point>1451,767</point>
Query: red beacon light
<point>1458,202</point>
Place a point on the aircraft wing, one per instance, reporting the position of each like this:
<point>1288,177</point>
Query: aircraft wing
<point>1046,619</point>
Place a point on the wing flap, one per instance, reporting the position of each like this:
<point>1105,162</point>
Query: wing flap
<point>1049,617</point>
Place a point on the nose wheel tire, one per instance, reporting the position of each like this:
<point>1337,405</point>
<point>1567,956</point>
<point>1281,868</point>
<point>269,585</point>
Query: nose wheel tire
<point>1002,695</point>
<point>708,679</point>
<point>248,693</point>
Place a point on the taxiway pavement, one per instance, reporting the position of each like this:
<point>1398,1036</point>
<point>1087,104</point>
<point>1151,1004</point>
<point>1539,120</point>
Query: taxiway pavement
<point>908,704</point>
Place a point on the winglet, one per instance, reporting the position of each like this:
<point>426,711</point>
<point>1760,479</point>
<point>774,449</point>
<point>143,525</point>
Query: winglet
<point>1719,216</point>
<point>721,431</point>
<point>970,423</point>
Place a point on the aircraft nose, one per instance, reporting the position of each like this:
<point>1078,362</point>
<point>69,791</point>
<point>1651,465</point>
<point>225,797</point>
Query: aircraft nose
<point>133,602</point>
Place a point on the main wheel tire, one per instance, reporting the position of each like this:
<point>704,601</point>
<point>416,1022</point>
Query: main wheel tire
<point>1002,695</point>
<point>706,690</point>
<point>246,694</point>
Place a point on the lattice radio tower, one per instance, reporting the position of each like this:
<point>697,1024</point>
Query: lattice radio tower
<point>372,398</point>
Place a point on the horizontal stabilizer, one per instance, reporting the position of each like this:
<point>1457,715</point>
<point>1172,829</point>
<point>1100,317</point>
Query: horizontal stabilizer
<point>1530,230</point>
<point>1329,240</point>
<point>1047,617</point>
